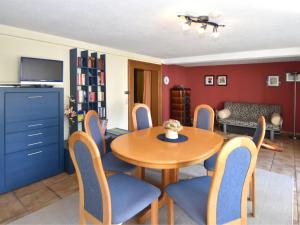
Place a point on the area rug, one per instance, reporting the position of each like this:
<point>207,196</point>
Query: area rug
<point>274,203</point>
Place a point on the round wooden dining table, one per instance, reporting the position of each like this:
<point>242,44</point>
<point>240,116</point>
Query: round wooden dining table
<point>143,149</point>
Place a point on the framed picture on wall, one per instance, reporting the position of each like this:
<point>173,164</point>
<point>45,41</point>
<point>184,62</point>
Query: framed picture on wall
<point>222,80</point>
<point>209,80</point>
<point>273,81</point>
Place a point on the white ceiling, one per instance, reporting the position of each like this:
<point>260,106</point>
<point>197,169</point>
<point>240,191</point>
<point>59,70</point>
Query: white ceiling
<point>151,27</point>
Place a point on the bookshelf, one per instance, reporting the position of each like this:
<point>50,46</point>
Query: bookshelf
<point>87,85</point>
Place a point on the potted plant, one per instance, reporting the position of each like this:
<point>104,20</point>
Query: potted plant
<point>70,114</point>
<point>172,127</point>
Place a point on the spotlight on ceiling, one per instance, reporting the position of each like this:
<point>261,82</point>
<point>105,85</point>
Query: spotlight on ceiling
<point>203,22</point>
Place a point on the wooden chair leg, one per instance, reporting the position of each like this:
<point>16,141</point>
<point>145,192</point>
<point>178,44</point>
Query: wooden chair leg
<point>250,190</point>
<point>177,172</point>
<point>143,173</point>
<point>154,212</point>
<point>210,173</point>
<point>81,219</point>
<point>253,193</point>
<point>170,214</point>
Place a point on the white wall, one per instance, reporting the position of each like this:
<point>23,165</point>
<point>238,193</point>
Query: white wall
<point>12,48</point>
<point>15,42</point>
<point>116,85</point>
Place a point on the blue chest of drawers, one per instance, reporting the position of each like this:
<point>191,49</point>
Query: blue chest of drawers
<point>31,135</point>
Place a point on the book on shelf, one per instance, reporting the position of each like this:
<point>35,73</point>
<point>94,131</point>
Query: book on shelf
<point>101,63</point>
<point>79,127</point>
<point>91,62</point>
<point>80,79</point>
<point>92,96</point>
<point>80,116</point>
<point>81,96</point>
<point>100,96</point>
<point>101,79</point>
<point>79,62</point>
<point>101,112</point>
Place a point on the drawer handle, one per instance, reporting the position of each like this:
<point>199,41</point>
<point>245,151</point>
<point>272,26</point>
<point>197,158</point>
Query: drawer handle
<point>36,143</point>
<point>36,96</point>
<point>35,125</point>
<point>34,153</point>
<point>37,134</point>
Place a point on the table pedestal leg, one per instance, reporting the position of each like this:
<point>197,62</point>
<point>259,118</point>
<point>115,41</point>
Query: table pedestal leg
<point>168,177</point>
<point>140,173</point>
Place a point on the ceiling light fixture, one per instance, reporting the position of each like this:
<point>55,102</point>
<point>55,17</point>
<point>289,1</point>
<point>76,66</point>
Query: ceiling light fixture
<point>202,21</point>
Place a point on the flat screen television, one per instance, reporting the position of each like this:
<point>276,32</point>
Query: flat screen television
<point>41,71</point>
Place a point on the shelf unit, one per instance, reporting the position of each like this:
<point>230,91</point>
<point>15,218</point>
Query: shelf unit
<point>87,85</point>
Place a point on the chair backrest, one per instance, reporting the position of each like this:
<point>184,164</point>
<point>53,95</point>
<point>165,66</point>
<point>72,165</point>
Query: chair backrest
<point>93,187</point>
<point>260,132</point>
<point>204,117</point>
<point>93,128</point>
<point>141,116</point>
<point>227,200</point>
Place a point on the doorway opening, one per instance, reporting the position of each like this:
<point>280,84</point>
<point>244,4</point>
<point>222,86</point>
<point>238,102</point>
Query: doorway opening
<point>145,86</point>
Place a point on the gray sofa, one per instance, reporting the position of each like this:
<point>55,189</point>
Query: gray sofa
<point>247,114</point>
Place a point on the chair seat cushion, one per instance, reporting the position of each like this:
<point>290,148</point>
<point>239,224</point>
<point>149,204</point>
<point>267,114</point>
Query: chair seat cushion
<point>112,163</point>
<point>192,196</point>
<point>129,196</point>
<point>239,122</point>
<point>209,164</point>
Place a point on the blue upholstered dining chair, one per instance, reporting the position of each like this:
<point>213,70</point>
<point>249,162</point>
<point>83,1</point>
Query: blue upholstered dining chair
<point>141,116</point>
<point>141,119</point>
<point>110,162</point>
<point>204,117</point>
<point>111,200</point>
<point>258,138</point>
<point>220,199</point>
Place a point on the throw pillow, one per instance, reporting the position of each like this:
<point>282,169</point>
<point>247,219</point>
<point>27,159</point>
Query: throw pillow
<point>276,119</point>
<point>224,113</point>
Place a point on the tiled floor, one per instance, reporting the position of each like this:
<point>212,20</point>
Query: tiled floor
<point>23,201</point>
<point>18,203</point>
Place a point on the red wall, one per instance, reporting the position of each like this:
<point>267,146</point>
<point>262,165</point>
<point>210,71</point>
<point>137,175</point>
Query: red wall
<point>177,75</point>
<point>246,83</point>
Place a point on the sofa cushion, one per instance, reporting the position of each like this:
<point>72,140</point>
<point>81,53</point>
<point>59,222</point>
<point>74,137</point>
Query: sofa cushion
<point>243,123</point>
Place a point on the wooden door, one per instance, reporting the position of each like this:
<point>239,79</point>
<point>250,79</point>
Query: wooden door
<point>156,90</point>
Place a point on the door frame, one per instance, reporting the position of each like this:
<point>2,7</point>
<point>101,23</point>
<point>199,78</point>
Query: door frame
<point>132,65</point>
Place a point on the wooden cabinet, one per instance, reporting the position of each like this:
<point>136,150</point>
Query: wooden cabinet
<point>180,105</point>
<point>31,135</point>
